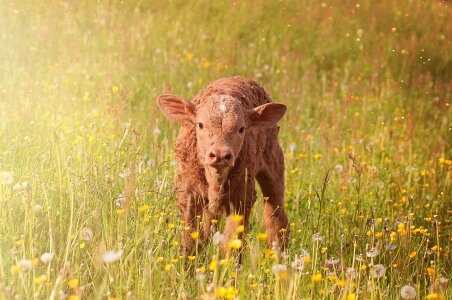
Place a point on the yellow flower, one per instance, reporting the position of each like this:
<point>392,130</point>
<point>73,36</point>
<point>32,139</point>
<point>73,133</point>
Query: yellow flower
<point>171,226</point>
<point>351,296</point>
<point>115,89</point>
<point>40,279</point>
<point>412,254</point>
<point>363,267</point>
<point>306,259</point>
<point>431,271</point>
<point>324,249</point>
<point>235,244</point>
<point>214,221</point>
<point>213,265</point>
<point>237,218</point>
<point>73,297</point>
<point>144,208</point>
<point>16,269</point>
<point>191,257</point>
<point>341,283</point>
<point>73,283</point>
<point>316,277</point>
<point>332,277</point>
<point>35,261</point>
<point>240,229</point>
<point>168,267</point>
<point>379,234</point>
<point>433,296</point>
<point>82,245</point>
<point>262,236</point>
<point>194,235</point>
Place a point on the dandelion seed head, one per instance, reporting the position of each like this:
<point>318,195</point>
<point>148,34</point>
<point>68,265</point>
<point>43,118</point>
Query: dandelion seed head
<point>112,256</point>
<point>378,271</point>
<point>46,257</point>
<point>86,234</point>
<point>25,264</point>
<point>6,178</point>
<point>408,292</point>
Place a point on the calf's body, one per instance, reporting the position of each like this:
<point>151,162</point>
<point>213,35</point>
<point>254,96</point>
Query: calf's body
<point>228,139</point>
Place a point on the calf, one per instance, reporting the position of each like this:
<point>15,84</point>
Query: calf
<point>228,138</point>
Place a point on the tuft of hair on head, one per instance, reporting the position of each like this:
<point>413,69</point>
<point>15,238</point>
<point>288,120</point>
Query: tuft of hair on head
<point>223,108</point>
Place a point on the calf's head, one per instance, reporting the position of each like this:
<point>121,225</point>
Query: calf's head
<point>221,124</point>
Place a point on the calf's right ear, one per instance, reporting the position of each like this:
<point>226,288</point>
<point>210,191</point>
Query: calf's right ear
<point>176,108</point>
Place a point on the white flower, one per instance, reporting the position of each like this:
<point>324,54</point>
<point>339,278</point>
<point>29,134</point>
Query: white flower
<point>120,200</point>
<point>408,292</point>
<point>292,147</point>
<point>378,271</point>
<point>350,273</point>
<point>339,168</point>
<point>156,132</point>
<point>298,263</point>
<point>86,234</point>
<point>6,178</point>
<point>111,256</point>
<point>217,238</point>
<point>189,84</point>
<point>25,264</point>
<point>317,237</point>
<point>46,257</point>
<point>21,186</point>
<point>372,252</point>
<point>278,269</point>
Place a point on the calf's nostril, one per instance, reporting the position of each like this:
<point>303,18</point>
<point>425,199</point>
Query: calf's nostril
<point>212,155</point>
<point>228,156</point>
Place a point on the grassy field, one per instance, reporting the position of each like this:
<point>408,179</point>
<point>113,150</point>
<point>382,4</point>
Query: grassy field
<point>86,158</point>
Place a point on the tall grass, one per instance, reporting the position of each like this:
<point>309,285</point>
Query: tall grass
<point>86,158</point>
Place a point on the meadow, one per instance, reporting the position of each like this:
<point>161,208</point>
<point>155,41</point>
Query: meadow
<point>87,199</point>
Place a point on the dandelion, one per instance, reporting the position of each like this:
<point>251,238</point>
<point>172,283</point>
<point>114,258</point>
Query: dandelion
<point>316,277</point>
<point>433,296</point>
<point>408,292</point>
<point>378,271</point>
<point>351,296</point>
<point>213,264</point>
<point>6,178</point>
<point>298,263</point>
<point>373,252</point>
<point>235,244</point>
<point>194,235</point>
<point>25,264</point>
<point>280,271</point>
<point>412,254</point>
<point>350,273</point>
<point>112,256</point>
<point>156,132</point>
<point>339,168</point>
<point>46,257</point>
<point>317,237</point>
<point>262,236</point>
<point>73,283</point>
<point>86,234</point>
<point>21,186</point>
<point>217,238</point>
<point>237,218</point>
<point>240,229</point>
<point>168,267</point>
<point>40,279</point>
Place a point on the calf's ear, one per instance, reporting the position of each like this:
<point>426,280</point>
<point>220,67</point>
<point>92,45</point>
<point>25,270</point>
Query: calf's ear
<point>176,108</point>
<point>266,115</point>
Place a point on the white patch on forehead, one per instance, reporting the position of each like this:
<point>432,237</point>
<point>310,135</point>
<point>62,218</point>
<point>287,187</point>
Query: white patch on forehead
<point>223,108</point>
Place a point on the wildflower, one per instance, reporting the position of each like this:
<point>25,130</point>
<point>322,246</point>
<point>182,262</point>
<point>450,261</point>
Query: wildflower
<point>16,269</point>
<point>156,132</point>
<point>171,226</point>
<point>408,292</point>
<point>86,234</point>
<point>316,277</point>
<point>73,297</point>
<point>213,264</point>
<point>280,271</point>
<point>111,256</point>
<point>194,235</point>
<point>73,283</point>
<point>6,178</point>
<point>144,208</point>
<point>25,264</point>
<point>433,296</point>
<point>240,229</point>
<point>373,252</point>
<point>40,279</point>
<point>217,238</point>
<point>341,283</point>
<point>430,271</point>
<point>21,186</point>
<point>168,267</point>
<point>191,257</point>
<point>317,237</point>
<point>115,89</point>
<point>378,271</point>
<point>262,236</point>
<point>339,168</point>
<point>46,257</point>
<point>412,254</point>
<point>351,296</point>
<point>235,244</point>
<point>237,218</point>
<point>298,263</point>
<point>350,273</point>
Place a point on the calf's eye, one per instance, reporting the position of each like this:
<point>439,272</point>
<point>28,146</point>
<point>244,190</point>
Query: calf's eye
<point>200,126</point>
<point>242,130</point>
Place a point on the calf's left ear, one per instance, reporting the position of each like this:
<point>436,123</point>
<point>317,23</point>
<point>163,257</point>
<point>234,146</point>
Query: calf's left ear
<point>266,115</point>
